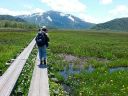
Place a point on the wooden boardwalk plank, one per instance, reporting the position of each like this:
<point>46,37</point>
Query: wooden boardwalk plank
<point>9,78</point>
<point>39,83</point>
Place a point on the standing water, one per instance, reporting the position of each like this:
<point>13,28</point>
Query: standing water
<point>70,71</point>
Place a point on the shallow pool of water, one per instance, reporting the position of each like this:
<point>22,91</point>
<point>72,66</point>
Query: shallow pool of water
<point>118,69</point>
<point>70,71</point>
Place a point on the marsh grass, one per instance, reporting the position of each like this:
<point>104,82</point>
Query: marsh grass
<point>109,46</point>
<point>11,44</point>
<point>104,50</point>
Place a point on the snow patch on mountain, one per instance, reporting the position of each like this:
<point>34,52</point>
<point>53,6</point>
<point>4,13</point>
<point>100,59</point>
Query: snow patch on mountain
<point>62,14</point>
<point>36,14</point>
<point>49,18</point>
<point>39,14</point>
<point>71,18</point>
<point>36,18</point>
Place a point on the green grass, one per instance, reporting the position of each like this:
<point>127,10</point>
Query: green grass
<point>55,64</point>
<point>112,46</point>
<point>109,46</point>
<point>11,43</point>
<point>99,84</point>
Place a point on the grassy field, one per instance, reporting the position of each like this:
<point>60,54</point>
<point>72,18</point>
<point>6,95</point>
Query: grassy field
<point>100,50</point>
<point>80,63</point>
<point>111,46</point>
<point>11,44</point>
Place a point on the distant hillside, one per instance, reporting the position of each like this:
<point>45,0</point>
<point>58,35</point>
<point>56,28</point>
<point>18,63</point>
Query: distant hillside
<point>57,19</point>
<point>7,21</point>
<point>120,24</point>
<point>11,18</point>
<point>15,24</point>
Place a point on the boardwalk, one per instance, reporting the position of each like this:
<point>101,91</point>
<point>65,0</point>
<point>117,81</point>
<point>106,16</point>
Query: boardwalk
<point>9,78</point>
<point>39,83</point>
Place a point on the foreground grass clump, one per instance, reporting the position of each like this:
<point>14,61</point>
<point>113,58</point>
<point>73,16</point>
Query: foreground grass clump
<point>55,64</point>
<point>99,84</point>
<point>12,43</point>
<point>24,80</point>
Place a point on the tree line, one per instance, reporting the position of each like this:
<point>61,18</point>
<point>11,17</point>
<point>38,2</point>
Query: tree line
<point>15,24</point>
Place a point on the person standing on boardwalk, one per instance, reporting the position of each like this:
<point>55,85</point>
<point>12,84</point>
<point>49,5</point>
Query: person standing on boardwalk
<point>42,40</point>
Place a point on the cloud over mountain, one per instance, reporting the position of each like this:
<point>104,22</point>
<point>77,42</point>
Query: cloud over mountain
<point>66,5</point>
<point>105,2</point>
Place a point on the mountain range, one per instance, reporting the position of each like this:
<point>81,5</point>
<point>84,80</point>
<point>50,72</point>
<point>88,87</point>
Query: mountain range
<point>119,24</point>
<point>57,19</point>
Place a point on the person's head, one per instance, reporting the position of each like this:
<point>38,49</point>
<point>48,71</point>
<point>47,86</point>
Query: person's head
<point>44,28</point>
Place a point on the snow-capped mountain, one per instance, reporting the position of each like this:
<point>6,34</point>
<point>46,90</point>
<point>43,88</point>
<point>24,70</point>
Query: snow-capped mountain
<point>57,19</point>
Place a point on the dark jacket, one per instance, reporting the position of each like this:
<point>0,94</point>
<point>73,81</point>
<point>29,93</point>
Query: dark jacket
<point>46,38</point>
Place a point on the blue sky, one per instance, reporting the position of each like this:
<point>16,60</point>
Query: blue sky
<point>95,11</point>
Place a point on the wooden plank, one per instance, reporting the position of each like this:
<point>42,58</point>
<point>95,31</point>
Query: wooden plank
<point>34,87</point>
<point>44,89</point>
<point>9,78</point>
<point>39,83</point>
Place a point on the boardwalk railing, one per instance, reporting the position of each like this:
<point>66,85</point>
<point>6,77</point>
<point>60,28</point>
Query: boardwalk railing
<point>9,78</point>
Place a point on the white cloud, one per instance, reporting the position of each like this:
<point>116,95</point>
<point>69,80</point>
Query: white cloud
<point>88,18</point>
<point>66,5</point>
<point>5,11</point>
<point>27,6</point>
<point>105,2</point>
<point>36,10</point>
<point>119,11</point>
<point>94,19</point>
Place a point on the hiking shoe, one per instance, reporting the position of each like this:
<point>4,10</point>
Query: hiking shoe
<point>45,62</point>
<point>41,62</point>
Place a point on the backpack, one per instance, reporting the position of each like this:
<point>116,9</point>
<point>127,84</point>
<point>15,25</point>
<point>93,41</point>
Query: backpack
<point>40,39</point>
